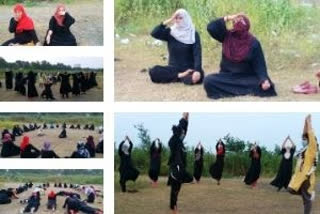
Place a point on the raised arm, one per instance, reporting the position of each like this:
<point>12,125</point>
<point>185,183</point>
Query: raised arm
<point>161,32</point>
<point>217,29</point>
<point>69,20</point>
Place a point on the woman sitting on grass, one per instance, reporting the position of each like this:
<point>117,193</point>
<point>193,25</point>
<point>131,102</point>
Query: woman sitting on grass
<point>47,152</point>
<point>27,150</point>
<point>23,28</point>
<point>9,149</point>
<point>243,69</point>
<point>185,61</point>
<point>59,33</point>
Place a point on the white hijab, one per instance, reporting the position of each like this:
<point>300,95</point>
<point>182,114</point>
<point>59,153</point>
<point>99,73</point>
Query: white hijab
<point>184,32</point>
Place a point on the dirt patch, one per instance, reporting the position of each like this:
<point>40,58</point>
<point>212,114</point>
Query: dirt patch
<point>62,147</point>
<point>133,85</point>
<point>232,196</point>
<point>94,94</point>
<point>88,28</point>
<point>15,207</point>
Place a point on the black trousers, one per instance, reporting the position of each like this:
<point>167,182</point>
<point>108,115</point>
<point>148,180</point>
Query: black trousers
<point>306,197</point>
<point>175,189</point>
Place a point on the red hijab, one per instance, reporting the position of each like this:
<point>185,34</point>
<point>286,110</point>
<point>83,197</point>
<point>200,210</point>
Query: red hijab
<point>24,143</point>
<point>59,18</point>
<point>25,22</point>
<point>238,41</point>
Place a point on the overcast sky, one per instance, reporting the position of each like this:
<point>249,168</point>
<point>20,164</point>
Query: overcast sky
<point>90,62</point>
<point>268,129</point>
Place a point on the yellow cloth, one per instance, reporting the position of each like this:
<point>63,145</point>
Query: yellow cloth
<point>302,170</point>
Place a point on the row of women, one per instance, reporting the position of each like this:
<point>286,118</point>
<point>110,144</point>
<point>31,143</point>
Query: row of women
<point>82,82</point>
<point>86,149</point>
<point>73,203</point>
<point>302,182</point>
<point>243,69</point>
<point>22,27</point>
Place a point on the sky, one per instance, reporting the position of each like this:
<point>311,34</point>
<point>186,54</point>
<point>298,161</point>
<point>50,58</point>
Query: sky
<point>268,129</point>
<point>90,62</point>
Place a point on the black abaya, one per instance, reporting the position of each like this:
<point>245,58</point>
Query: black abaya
<point>126,169</point>
<point>30,152</point>
<point>9,149</point>
<point>155,161</point>
<point>285,170</point>
<point>9,80</point>
<point>198,163</point>
<point>32,90</point>
<point>237,78</point>
<point>76,85</point>
<point>253,173</point>
<point>61,35</point>
<point>181,58</point>
<point>216,169</point>
<point>65,87</point>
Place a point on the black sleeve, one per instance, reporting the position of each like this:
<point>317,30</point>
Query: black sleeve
<point>131,146</point>
<point>69,20</point>
<point>65,202</point>
<point>52,23</point>
<point>217,29</point>
<point>120,148</point>
<point>197,54</point>
<point>183,123</point>
<point>12,25</point>
<point>283,150</point>
<point>258,62</point>
<point>161,32</point>
<point>34,36</point>
<point>160,147</point>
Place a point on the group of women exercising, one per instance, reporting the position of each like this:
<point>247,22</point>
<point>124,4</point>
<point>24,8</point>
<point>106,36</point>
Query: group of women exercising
<point>302,182</point>
<point>81,83</point>
<point>23,28</point>
<point>73,203</point>
<point>243,69</point>
<point>86,149</point>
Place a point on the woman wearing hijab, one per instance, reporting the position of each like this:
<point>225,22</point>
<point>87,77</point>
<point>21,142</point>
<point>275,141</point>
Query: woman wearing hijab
<point>23,28</point>
<point>63,133</point>
<point>216,169</point>
<point>76,85</point>
<point>253,173</point>
<point>47,92</point>
<point>9,149</point>
<point>9,80</point>
<point>52,201</point>
<point>47,152</point>
<point>243,69</point>
<point>27,150</point>
<point>32,90</point>
<point>127,169</point>
<point>304,179</point>
<point>81,151</point>
<point>59,33</point>
<point>155,161</point>
<point>90,145</point>
<point>285,170</point>
<point>65,87</point>
<point>184,46</point>
<point>198,162</point>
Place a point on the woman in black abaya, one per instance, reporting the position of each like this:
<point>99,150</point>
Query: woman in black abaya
<point>65,87</point>
<point>253,173</point>
<point>155,161</point>
<point>76,85</point>
<point>9,80</point>
<point>216,169</point>
<point>32,90</point>
<point>198,162</point>
<point>127,169</point>
<point>285,170</point>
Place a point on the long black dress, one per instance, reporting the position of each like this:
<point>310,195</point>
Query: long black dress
<point>47,92</point>
<point>48,154</point>
<point>9,79</point>
<point>285,170</point>
<point>127,169</point>
<point>75,85</point>
<point>9,149</point>
<point>181,57</point>
<point>24,37</point>
<point>198,163</point>
<point>30,152</point>
<point>253,173</point>
<point>17,80</point>
<point>61,35</point>
<point>155,161</point>
<point>32,90</point>
<point>65,87</point>
<point>216,169</point>
<point>93,80</point>
<point>235,79</point>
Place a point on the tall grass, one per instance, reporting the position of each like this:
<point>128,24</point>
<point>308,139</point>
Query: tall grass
<point>286,29</point>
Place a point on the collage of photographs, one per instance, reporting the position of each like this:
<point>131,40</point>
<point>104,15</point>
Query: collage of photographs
<point>207,106</point>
